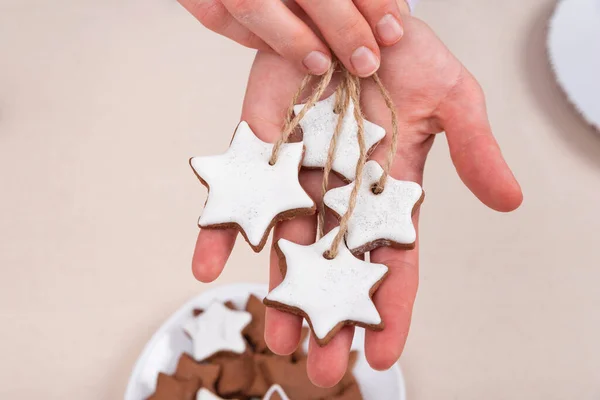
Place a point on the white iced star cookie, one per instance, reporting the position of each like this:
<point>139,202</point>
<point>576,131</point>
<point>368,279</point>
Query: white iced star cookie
<point>246,192</point>
<point>275,389</point>
<point>328,293</point>
<point>204,394</point>
<point>318,126</point>
<point>217,329</point>
<point>383,219</point>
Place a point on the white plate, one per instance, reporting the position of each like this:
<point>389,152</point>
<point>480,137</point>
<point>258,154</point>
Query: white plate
<point>574,52</point>
<point>169,342</point>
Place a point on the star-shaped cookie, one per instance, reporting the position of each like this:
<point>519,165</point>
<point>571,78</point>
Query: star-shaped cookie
<point>246,192</point>
<point>328,293</point>
<point>208,374</point>
<point>318,126</point>
<point>217,329</point>
<point>172,388</point>
<point>255,331</point>
<point>383,219</point>
<point>294,381</point>
<point>237,373</point>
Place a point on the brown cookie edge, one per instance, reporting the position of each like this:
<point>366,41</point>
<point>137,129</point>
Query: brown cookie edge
<point>289,214</point>
<point>297,311</point>
<point>370,246</point>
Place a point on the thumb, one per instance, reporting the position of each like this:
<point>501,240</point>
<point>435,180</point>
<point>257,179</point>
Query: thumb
<point>474,151</point>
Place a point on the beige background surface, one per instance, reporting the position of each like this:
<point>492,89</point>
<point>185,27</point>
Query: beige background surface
<point>102,103</point>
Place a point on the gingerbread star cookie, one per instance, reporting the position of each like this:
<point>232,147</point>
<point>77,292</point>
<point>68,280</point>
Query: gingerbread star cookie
<point>218,329</point>
<point>318,126</point>
<point>187,368</point>
<point>294,381</point>
<point>246,192</point>
<point>255,331</point>
<point>328,293</point>
<point>259,385</point>
<point>237,373</point>
<point>172,388</point>
<point>383,219</point>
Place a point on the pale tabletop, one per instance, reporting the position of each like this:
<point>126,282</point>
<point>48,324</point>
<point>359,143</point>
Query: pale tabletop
<point>103,102</point>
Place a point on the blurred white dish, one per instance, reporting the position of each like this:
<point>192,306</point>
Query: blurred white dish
<point>574,52</point>
<point>164,348</point>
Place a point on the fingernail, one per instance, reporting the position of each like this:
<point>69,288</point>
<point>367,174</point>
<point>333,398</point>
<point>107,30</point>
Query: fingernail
<point>364,61</point>
<point>389,29</point>
<point>316,62</point>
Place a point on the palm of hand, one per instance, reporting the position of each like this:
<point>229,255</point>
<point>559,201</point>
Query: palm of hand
<point>433,92</point>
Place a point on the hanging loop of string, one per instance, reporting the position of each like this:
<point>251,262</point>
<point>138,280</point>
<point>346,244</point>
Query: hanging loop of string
<point>394,143</point>
<point>342,100</point>
<point>348,90</point>
<point>353,92</point>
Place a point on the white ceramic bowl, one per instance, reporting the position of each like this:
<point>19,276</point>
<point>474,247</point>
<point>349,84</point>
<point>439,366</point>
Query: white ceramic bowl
<point>164,348</point>
<point>574,52</point>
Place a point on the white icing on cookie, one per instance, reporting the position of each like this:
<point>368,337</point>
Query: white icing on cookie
<point>318,126</point>
<point>204,394</point>
<point>217,329</point>
<point>275,389</point>
<point>244,189</point>
<point>386,216</point>
<point>328,291</point>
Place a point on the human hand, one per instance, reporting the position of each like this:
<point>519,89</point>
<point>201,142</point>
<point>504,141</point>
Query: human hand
<point>432,92</point>
<point>354,30</point>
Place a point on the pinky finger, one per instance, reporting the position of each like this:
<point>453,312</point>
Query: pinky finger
<point>213,15</point>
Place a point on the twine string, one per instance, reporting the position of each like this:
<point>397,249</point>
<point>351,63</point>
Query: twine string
<point>292,123</point>
<point>353,84</point>
<point>394,144</point>
<point>348,91</point>
<point>342,101</point>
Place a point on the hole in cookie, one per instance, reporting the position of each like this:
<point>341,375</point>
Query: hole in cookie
<point>376,189</point>
<point>337,110</point>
